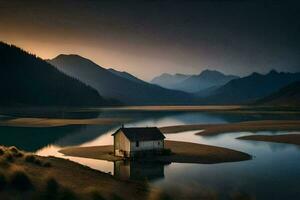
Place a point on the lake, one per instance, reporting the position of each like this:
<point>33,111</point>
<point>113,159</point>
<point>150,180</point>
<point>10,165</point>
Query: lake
<point>273,173</point>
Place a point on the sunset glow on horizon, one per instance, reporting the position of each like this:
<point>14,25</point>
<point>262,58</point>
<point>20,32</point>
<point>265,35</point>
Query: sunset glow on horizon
<point>126,39</point>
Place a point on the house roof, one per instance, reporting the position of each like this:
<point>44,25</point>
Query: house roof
<point>142,134</point>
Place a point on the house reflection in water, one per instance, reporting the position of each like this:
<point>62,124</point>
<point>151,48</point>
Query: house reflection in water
<point>134,170</point>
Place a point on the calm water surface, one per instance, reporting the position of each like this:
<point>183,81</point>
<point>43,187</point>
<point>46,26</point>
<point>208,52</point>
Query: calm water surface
<point>273,173</point>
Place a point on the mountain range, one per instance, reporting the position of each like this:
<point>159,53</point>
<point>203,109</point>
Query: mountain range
<point>71,80</point>
<point>251,88</point>
<point>118,85</point>
<point>28,80</point>
<point>194,83</point>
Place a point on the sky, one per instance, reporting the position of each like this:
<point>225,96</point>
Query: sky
<point>147,38</point>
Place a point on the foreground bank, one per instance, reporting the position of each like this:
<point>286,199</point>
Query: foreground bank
<point>27,176</point>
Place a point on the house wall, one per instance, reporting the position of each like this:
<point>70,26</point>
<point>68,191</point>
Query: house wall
<point>121,144</point>
<point>147,145</point>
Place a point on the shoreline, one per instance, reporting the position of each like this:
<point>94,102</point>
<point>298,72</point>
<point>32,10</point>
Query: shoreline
<point>182,152</point>
<point>286,139</point>
<point>214,129</point>
<point>56,122</point>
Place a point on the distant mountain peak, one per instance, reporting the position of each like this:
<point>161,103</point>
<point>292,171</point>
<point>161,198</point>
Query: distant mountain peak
<point>255,74</point>
<point>68,55</point>
<point>208,72</point>
<point>74,58</point>
<point>273,71</point>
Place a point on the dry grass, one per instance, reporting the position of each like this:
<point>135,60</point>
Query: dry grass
<point>64,179</point>
<point>182,152</point>
<point>288,138</point>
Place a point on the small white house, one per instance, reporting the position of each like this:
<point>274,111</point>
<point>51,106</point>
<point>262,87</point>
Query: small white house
<point>129,142</point>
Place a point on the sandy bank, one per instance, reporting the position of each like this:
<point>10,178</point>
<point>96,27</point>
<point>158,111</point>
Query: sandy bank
<point>179,108</point>
<point>182,152</point>
<point>288,138</point>
<point>213,129</point>
<point>50,122</point>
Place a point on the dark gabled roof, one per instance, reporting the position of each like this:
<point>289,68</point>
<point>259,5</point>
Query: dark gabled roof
<point>142,134</point>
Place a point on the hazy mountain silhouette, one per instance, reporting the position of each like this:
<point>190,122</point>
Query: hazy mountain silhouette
<point>251,88</point>
<point>168,80</point>
<point>28,80</point>
<point>110,85</point>
<point>194,83</point>
<point>126,75</point>
<point>286,96</point>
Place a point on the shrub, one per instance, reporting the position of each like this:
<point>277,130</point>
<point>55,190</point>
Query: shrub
<point>2,152</point>
<point>52,186</point>
<point>20,181</point>
<point>33,159</point>
<point>67,194</point>
<point>2,181</point>
<point>47,164</point>
<point>14,149</point>
<point>30,158</point>
<point>4,164</point>
<point>95,195</point>
<point>51,190</point>
<point>38,162</point>
<point>8,157</point>
<point>19,154</point>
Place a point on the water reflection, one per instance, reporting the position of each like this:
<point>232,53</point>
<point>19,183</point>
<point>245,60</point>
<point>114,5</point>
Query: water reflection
<point>134,170</point>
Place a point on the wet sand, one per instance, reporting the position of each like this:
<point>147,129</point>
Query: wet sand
<point>287,139</point>
<point>182,152</point>
<point>214,129</point>
<point>51,122</point>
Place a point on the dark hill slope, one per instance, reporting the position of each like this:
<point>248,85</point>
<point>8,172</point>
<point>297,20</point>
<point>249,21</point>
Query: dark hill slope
<point>126,75</point>
<point>286,96</point>
<point>117,87</point>
<point>28,80</point>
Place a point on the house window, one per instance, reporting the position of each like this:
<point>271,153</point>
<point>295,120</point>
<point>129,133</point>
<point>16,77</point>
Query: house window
<point>137,143</point>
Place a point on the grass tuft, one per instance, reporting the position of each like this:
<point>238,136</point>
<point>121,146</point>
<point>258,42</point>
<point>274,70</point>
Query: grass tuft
<point>33,159</point>
<point>67,194</point>
<point>14,149</point>
<point>9,157</point>
<point>51,190</point>
<point>2,152</point>
<point>3,181</point>
<point>47,164</point>
<point>94,194</point>
<point>20,181</point>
